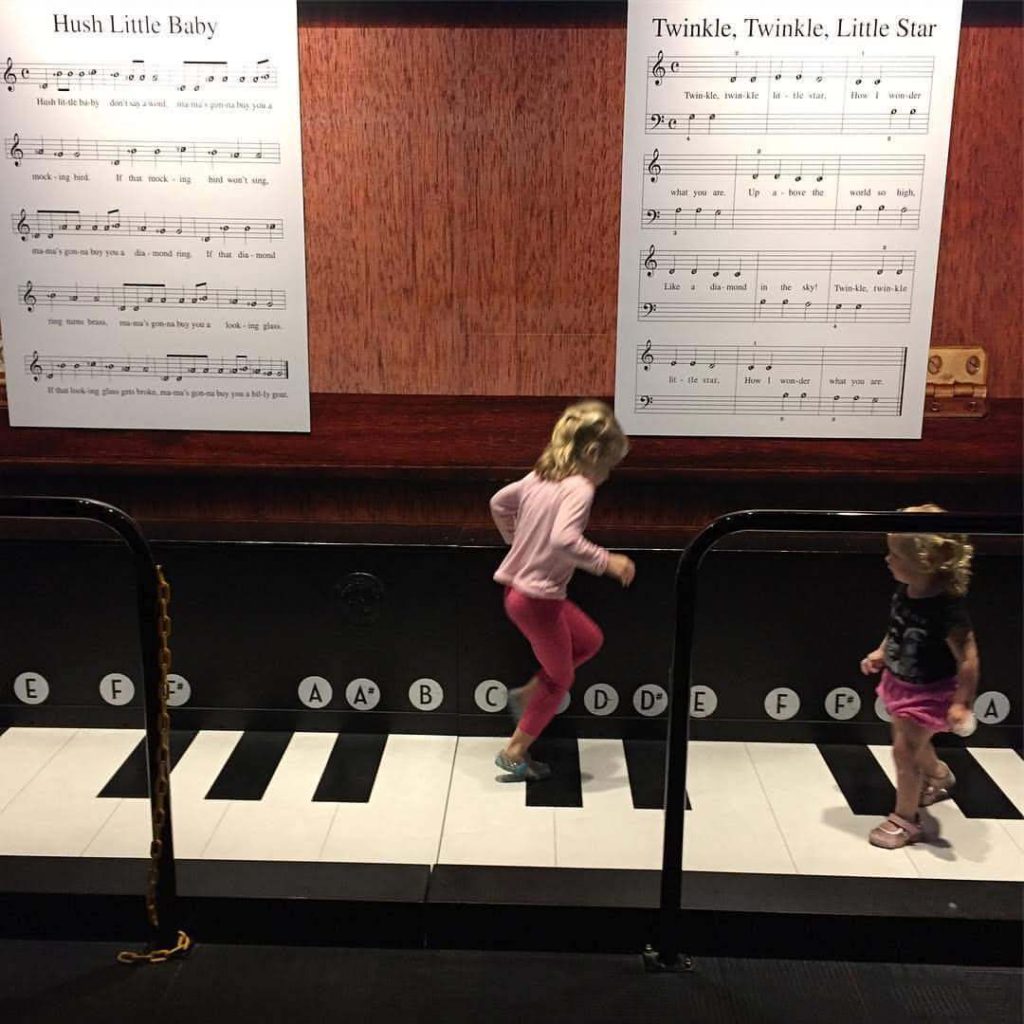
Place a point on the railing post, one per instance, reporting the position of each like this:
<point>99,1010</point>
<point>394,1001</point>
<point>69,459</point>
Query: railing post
<point>163,924</point>
<point>665,954</point>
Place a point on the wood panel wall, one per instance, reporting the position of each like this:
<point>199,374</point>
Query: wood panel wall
<point>462,168</point>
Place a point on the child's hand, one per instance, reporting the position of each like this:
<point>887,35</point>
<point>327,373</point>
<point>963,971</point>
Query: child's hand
<point>621,567</point>
<point>873,663</point>
<point>960,718</point>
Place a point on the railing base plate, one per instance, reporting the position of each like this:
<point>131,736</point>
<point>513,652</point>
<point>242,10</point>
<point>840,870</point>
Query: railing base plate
<point>653,963</point>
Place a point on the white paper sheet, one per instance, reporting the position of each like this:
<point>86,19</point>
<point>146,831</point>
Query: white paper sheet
<point>783,176</point>
<point>154,262</point>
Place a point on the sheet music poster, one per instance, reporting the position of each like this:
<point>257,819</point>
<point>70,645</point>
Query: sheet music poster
<point>154,264</point>
<point>783,176</point>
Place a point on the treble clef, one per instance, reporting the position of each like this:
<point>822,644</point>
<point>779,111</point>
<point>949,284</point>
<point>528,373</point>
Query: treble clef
<point>654,168</point>
<point>16,152</point>
<point>34,367</point>
<point>650,263</point>
<point>658,71</point>
<point>23,228</point>
<point>28,298</point>
<point>10,78</point>
<point>646,357</point>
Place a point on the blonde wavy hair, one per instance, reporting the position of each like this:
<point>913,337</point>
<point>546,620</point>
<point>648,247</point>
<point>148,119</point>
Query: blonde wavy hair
<point>945,555</point>
<point>587,437</point>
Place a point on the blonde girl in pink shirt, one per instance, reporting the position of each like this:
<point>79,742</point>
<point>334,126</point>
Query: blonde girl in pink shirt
<point>543,516</point>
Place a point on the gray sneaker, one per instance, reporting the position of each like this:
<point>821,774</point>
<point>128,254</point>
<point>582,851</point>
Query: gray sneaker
<point>515,704</point>
<point>522,771</point>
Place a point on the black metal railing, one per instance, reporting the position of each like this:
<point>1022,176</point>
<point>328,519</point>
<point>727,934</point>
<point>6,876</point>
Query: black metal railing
<point>666,951</point>
<point>164,930</point>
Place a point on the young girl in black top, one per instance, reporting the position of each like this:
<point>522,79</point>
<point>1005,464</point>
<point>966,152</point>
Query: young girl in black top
<point>929,665</point>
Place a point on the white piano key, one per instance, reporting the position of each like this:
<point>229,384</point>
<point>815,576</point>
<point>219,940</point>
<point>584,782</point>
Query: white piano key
<point>967,848</point>
<point>23,754</point>
<point>128,830</point>
<point>607,831</point>
<point>731,826</point>
<point>822,834</point>
<point>1006,770</point>
<point>402,822</point>
<point>487,822</point>
<point>285,824</point>
<point>58,812</point>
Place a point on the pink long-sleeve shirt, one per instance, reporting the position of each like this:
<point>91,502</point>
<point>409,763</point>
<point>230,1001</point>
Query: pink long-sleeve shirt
<point>544,521</point>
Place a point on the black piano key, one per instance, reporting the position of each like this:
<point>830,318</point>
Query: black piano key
<point>645,764</point>
<point>975,793</point>
<point>865,785</point>
<point>564,788</point>
<point>130,780</point>
<point>351,769</point>
<point>250,767</point>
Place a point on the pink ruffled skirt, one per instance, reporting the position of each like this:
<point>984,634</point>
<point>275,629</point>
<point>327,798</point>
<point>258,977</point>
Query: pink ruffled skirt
<point>924,703</point>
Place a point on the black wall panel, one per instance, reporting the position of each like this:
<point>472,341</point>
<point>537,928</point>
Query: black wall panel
<point>252,620</point>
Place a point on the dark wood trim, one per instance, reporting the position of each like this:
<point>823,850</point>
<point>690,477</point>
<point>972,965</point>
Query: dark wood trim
<point>437,437</point>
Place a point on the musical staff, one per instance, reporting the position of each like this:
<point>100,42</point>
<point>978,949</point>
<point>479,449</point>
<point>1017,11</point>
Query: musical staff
<point>785,404</point>
<point>173,366</point>
<point>856,70</point>
<point>779,358</point>
<point>48,223</point>
<point>131,151</point>
<point>909,121</point>
<point>797,311</point>
<point>786,167</point>
<point>737,263</point>
<point>842,218</point>
<point>693,96</point>
<point>139,295</point>
<point>188,76</point>
<point>770,191</point>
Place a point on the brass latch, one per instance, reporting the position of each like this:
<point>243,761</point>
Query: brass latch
<point>957,382</point>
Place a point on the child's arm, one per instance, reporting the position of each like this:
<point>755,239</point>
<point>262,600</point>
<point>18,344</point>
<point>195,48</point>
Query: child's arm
<point>567,532</point>
<point>505,508</point>
<point>874,661</point>
<point>968,668</point>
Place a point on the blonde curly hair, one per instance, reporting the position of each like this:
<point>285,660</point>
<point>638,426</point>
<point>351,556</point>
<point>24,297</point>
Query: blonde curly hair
<point>945,555</point>
<point>587,437</point>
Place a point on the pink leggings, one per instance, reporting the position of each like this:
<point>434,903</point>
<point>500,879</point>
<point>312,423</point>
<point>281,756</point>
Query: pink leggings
<point>562,637</point>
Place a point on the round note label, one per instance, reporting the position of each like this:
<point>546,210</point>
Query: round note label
<point>31,688</point>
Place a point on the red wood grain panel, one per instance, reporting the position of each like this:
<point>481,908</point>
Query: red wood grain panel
<point>462,200</point>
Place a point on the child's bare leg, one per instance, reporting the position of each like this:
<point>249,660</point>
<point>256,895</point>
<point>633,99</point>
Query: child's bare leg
<point>908,741</point>
<point>519,745</point>
<point>928,762</point>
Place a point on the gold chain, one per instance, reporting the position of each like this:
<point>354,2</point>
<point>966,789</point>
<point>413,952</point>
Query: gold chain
<point>161,783</point>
